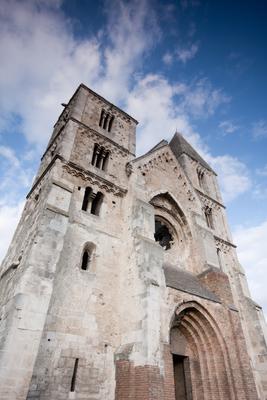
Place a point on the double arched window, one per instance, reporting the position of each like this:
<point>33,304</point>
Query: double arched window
<point>100,157</point>
<point>106,120</point>
<point>92,201</point>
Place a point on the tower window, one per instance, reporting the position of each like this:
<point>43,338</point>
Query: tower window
<point>102,116</point>
<point>106,120</point>
<point>201,177</point>
<point>86,260</point>
<point>110,123</point>
<point>86,199</point>
<point>96,203</point>
<point>209,217</point>
<point>74,375</point>
<point>92,201</point>
<point>100,157</point>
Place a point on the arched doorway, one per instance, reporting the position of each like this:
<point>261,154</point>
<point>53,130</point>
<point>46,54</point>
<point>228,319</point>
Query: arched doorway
<point>200,358</point>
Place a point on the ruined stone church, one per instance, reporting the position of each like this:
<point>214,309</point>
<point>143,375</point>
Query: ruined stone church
<point>122,280</point>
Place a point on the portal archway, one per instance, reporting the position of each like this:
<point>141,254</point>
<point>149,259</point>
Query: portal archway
<point>200,356</point>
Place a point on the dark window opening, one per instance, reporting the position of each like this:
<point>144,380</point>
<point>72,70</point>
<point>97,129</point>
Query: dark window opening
<point>96,203</point>
<point>86,260</point>
<point>95,153</point>
<point>74,375</point>
<point>106,121</point>
<point>100,157</point>
<point>110,123</point>
<point>102,118</point>
<point>163,235</point>
<point>200,175</point>
<point>105,161</point>
<point>179,377</point>
<point>209,218</point>
<point>86,198</point>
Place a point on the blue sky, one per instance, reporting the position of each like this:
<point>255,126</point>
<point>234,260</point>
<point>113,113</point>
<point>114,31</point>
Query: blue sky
<point>195,66</point>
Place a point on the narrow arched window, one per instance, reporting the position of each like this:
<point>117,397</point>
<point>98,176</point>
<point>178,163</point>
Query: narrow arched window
<point>110,123</point>
<point>102,116</point>
<point>105,161</point>
<point>86,199</point>
<point>96,203</point>
<point>86,260</point>
<point>95,153</point>
<point>209,217</point>
<point>105,125</point>
<point>200,175</point>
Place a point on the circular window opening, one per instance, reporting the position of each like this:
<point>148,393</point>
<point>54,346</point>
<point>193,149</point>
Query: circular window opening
<point>163,235</point>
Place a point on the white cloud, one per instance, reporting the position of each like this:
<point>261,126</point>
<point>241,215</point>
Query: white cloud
<point>233,175</point>
<point>42,64</point>
<point>186,54</point>
<point>163,108</point>
<point>167,58</point>
<point>252,253</point>
<point>228,127</point>
<point>262,171</point>
<point>9,217</point>
<point>259,129</point>
<point>9,155</point>
<point>201,99</point>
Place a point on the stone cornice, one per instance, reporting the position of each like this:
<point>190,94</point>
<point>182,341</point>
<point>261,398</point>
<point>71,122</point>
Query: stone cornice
<point>224,242</point>
<point>94,179</point>
<point>86,175</point>
<point>201,194</point>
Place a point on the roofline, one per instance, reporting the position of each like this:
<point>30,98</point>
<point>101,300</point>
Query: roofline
<point>82,85</point>
<point>149,152</point>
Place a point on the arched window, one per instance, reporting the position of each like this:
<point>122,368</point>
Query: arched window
<point>96,203</point>
<point>87,256</point>
<point>86,199</point>
<point>209,217</point>
<point>110,123</point>
<point>105,125</point>
<point>102,116</point>
<point>86,259</point>
<point>106,120</point>
<point>100,157</point>
<point>92,201</point>
<point>201,178</point>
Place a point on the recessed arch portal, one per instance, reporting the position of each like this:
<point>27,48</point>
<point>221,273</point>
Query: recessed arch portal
<point>201,352</point>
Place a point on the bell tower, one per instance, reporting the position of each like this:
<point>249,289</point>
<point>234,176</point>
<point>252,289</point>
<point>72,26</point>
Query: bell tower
<point>49,295</point>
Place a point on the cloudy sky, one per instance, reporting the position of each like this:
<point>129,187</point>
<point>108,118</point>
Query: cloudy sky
<point>195,66</point>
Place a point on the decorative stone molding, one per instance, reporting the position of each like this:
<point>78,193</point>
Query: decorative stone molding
<point>223,245</point>
<point>94,179</point>
<point>129,169</point>
<point>101,139</point>
<point>209,202</point>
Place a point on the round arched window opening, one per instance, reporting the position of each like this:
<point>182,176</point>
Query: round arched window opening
<point>163,234</point>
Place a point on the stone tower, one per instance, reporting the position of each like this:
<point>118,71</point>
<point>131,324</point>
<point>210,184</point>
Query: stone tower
<point>122,281</point>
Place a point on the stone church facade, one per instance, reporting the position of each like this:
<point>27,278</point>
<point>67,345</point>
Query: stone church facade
<point>122,280</point>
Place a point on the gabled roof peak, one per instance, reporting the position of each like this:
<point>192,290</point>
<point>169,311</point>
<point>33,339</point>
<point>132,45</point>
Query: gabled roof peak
<point>180,145</point>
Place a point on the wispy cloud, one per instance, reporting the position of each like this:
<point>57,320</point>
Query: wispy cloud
<point>262,171</point>
<point>252,252</point>
<point>186,54</point>
<point>167,58</point>
<point>228,127</point>
<point>259,129</point>
<point>42,63</point>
